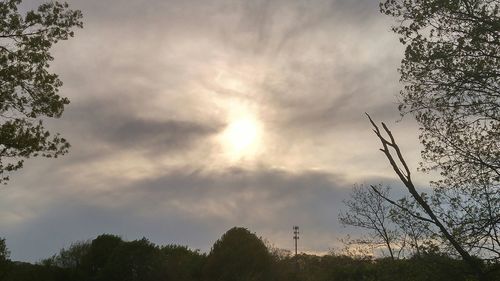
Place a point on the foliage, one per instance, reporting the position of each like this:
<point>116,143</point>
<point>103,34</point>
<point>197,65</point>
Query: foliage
<point>4,252</point>
<point>28,91</point>
<point>4,257</point>
<point>395,157</point>
<point>99,254</point>
<point>17,271</point>
<point>452,80</point>
<point>182,264</point>
<point>238,255</point>
<point>452,87</point>
<point>345,268</point>
<point>451,77</point>
<point>73,257</point>
<point>137,260</point>
<point>71,260</point>
<point>142,260</point>
<point>108,257</point>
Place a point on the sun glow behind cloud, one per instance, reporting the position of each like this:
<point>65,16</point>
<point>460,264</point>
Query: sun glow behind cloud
<point>241,138</point>
<point>230,83</point>
<point>245,97</point>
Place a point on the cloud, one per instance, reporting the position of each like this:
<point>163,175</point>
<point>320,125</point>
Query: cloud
<point>191,206</point>
<point>152,85</point>
<point>122,129</point>
<point>173,204</point>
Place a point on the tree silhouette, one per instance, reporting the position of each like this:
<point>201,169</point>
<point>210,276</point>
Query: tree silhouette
<point>238,255</point>
<point>4,252</point>
<point>137,260</point>
<point>99,254</point>
<point>366,209</point>
<point>182,264</point>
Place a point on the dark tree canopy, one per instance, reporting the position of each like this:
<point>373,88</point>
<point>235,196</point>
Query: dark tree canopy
<point>108,258</point>
<point>238,255</point>
<point>100,252</point>
<point>73,257</point>
<point>182,264</point>
<point>137,260</point>
<point>4,252</point>
<point>28,91</point>
<point>142,260</point>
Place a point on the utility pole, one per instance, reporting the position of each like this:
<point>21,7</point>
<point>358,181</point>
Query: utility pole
<point>295,236</point>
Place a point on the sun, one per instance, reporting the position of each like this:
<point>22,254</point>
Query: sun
<point>241,137</point>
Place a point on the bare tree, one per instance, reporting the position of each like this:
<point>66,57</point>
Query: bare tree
<point>367,210</point>
<point>417,235</point>
<point>446,225</point>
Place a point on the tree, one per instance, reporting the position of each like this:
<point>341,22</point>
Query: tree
<point>446,228</point>
<point>28,91</point>
<point>4,258</point>
<point>238,255</point>
<point>99,254</point>
<point>417,235</point>
<point>137,260</point>
<point>452,83</point>
<point>452,87</point>
<point>182,264</point>
<point>4,252</point>
<point>366,209</point>
<point>450,72</point>
<point>73,257</point>
<point>70,261</point>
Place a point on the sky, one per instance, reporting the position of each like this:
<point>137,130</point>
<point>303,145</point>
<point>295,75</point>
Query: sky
<point>190,117</point>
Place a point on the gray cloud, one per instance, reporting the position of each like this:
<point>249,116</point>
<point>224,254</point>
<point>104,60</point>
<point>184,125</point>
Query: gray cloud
<point>120,127</point>
<point>170,206</point>
<point>154,83</point>
<point>191,206</point>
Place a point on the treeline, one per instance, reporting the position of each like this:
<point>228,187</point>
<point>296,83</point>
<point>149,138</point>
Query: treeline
<point>237,255</point>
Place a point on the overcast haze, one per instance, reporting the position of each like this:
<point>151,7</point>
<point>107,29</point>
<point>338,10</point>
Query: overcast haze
<point>191,117</point>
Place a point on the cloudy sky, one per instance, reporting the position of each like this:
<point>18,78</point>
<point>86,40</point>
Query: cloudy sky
<point>190,117</point>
